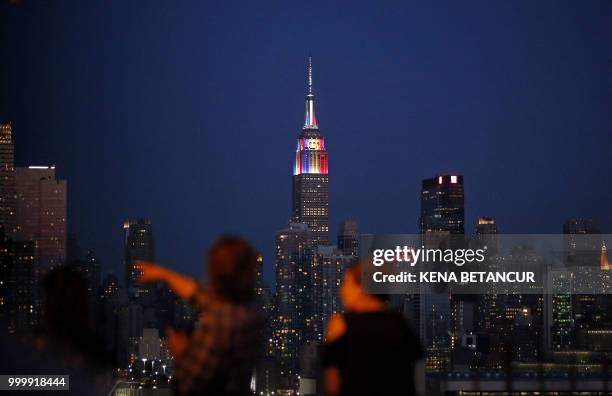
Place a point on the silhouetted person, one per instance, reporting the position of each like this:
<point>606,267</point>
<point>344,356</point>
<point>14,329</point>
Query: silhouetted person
<point>218,357</point>
<point>66,342</point>
<point>369,349</point>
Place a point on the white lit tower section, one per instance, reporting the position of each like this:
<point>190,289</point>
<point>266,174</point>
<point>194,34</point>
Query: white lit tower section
<point>310,175</point>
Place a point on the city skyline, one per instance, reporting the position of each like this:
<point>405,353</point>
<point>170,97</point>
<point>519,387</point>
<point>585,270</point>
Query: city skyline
<point>132,138</point>
<point>363,109</point>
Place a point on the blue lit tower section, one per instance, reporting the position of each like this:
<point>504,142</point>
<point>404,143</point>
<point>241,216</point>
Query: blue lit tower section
<point>310,175</point>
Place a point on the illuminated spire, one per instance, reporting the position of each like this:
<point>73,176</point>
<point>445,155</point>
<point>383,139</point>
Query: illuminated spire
<point>603,260</point>
<point>310,75</point>
<point>311,120</point>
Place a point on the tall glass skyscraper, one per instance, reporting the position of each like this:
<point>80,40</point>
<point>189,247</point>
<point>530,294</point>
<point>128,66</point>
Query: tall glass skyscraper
<point>310,178</point>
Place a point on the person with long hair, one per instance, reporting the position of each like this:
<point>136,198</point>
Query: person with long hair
<point>218,357</point>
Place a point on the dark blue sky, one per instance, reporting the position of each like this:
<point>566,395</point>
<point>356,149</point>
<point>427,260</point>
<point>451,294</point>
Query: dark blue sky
<point>187,112</point>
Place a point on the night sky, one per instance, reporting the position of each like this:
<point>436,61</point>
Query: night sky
<point>187,113</point>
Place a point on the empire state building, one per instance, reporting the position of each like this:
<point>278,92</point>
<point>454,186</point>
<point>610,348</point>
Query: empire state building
<point>310,178</point>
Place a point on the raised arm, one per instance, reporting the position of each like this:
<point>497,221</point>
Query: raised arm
<point>184,286</point>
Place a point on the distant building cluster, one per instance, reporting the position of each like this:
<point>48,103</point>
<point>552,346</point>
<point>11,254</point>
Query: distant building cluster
<point>131,319</point>
<point>32,232</point>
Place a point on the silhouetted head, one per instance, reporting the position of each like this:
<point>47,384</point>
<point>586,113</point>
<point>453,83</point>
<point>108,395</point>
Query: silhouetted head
<point>352,293</point>
<point>232,268</point>
<point>66,309</point>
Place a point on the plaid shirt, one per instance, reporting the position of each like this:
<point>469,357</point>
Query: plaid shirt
<point>221,352</point>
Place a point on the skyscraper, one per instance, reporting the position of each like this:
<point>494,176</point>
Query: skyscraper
<point>348,238</point>
<point>89,268</point>
<point>130,323</point>
<point>604,264</point>
<point>18,307</point>
<point>486,234</point>
<point>580,226</point>
<point>581,242</point>
<point>485,226</point>
<point>41,213</point>
<point>569,315</point>
<point>7,179</point>
<point>559,310</point>
<point>442,213</point>
<point>294,305</point>
<point>328,267</point>
<point>442,205</point>
<point>109,300</point>
<point>138,246</point>
<point>310,178</point>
